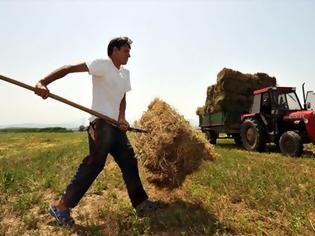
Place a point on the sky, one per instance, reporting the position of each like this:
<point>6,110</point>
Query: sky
<point>178,49</point>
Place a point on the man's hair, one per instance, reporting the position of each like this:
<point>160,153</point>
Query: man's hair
<point>118,43</point>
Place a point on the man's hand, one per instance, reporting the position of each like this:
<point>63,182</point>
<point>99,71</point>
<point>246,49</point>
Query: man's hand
<point>41,90</point>
<point>123,125</point>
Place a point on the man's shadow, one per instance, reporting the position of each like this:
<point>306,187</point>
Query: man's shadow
<point>174,218</point>
<point>191,218</point>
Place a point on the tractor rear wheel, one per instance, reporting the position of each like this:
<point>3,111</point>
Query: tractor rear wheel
<point>291,144</point>
<point>253,135</point>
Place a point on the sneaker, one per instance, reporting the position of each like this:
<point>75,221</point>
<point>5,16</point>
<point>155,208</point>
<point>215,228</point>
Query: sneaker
<point>147,206</point>
<point>62,217</point>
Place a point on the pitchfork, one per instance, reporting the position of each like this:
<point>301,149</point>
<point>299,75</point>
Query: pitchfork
<point>61,99</point>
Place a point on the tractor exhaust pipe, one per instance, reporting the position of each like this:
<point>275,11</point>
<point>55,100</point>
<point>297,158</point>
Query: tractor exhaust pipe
<point>304,98</point>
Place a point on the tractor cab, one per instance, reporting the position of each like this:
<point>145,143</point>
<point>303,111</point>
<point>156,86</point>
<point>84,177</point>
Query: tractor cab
<point>276,116</point>
<point>272,103</point>
<point>275,98</point>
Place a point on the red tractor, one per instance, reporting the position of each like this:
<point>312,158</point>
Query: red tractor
<point>277,116</point>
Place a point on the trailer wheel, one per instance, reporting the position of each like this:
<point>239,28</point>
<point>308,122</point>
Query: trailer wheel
<point>253,135</point>
<point>291,144</point>
<point>237,139</point>
<point>212,136</point>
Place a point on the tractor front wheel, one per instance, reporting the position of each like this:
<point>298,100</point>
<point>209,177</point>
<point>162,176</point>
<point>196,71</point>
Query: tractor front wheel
<point>291,144</point>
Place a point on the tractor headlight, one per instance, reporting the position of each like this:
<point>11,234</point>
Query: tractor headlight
<point>305,121</point>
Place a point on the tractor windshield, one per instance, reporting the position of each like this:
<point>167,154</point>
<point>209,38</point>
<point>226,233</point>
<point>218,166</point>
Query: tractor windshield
<point>288,101</point>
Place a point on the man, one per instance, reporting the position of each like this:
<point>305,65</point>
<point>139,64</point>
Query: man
<point>110,84</point>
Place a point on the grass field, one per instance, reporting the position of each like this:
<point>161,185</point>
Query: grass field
<point>241,193</point>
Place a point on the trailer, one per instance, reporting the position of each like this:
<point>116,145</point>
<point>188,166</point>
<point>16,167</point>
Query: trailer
<point>227,124</point>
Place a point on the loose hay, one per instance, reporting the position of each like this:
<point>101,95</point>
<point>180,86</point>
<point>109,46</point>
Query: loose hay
<point>172,149</point>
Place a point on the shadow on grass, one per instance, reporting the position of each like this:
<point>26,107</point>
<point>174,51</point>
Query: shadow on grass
<point>270,148</point>
<point>180,216</point>
<point>308,154</point>
<point>176,218</point>
<point>229,145</point>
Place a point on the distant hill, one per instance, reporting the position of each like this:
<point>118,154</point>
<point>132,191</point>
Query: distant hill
<point>71,126</point>
<point>26,130</point>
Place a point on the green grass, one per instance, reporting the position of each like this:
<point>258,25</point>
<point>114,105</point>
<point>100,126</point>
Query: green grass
<point>277,190</point>
<point>241,193</point>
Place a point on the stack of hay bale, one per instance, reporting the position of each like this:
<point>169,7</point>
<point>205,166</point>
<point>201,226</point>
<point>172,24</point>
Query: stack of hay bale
<point>233,92</point>
<point>172,149</point>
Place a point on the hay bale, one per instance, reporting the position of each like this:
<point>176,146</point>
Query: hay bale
<point>172,149</point>
<point>232,102</point>
<point>262,80</point>
<point>200,110</point>
<point>233,91</point>
<point>234,81</point>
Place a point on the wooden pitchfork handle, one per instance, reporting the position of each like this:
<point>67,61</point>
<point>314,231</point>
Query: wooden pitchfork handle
<point>61,99</point>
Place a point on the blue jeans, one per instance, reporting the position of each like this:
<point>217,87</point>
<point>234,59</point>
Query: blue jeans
<point>105,139</point>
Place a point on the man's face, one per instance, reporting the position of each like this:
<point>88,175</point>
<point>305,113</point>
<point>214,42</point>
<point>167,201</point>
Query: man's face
<point>122,54</point>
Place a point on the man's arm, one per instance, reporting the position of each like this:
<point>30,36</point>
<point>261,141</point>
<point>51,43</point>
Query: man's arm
<point>41,87</point>
<point>123,124</point>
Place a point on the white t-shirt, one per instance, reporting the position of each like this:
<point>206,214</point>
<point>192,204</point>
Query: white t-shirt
<point>109,86</point>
